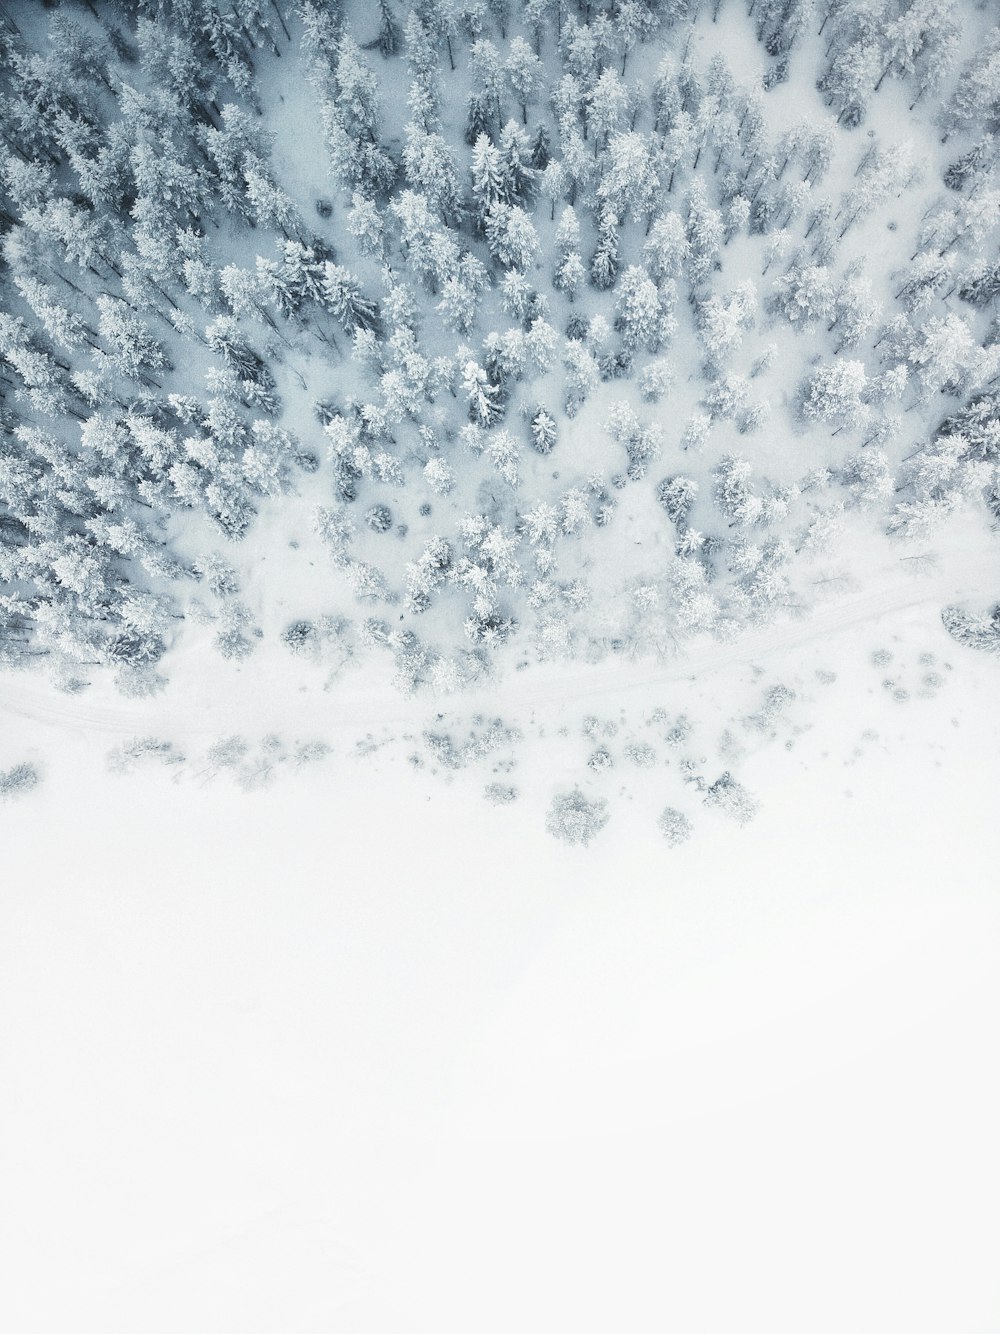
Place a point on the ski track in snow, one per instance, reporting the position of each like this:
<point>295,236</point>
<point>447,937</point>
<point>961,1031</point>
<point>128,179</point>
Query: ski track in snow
<point>312,709</point>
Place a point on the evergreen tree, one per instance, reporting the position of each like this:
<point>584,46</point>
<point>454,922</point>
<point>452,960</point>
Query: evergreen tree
<point>525,74</point>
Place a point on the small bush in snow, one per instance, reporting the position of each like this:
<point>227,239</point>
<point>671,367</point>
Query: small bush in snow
<point>439,476</point>
<point>139,682</point>
<point>379,518</point>
<point>123,759</point>
<point>732,799</point>
<point>600,759</point>
<point>233,645</point>
<point>301,637</point>
<point>675,826</point>
<point>500,794</point>
<point>574,819</point>
<point>640,753</point>
<point>227,753</point>
<point>15,782</point>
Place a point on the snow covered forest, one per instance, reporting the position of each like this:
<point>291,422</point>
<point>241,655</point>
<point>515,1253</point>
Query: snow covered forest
<point>454,344</point>
<point>499,666</point>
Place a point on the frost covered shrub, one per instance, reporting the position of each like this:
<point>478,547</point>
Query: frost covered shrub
<point>675,826</point>
<point>753,418</point>
<point>301,637</point>
<point>18,780</point>
<point>309,752</point>
<point>233,645</point>
<point>641,754</point>
<point>776,700</point>
<point>500,794</point>
<point>379,518</point>
<point>600,759</point>
<point>732,799</point>
<point>132,649</point>
<point>227,753</point>
<point>679,733</point>
<point>123,759</point>
<point>574,819</point>
<point>696,432</point>
<point>139,682</point>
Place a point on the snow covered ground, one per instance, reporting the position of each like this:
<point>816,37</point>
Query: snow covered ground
<point>359,1051</point>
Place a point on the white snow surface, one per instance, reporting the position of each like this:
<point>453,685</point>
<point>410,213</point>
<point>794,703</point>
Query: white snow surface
<point>360,1052</point>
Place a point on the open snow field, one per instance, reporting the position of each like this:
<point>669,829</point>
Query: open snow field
<point>359,1051</point>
